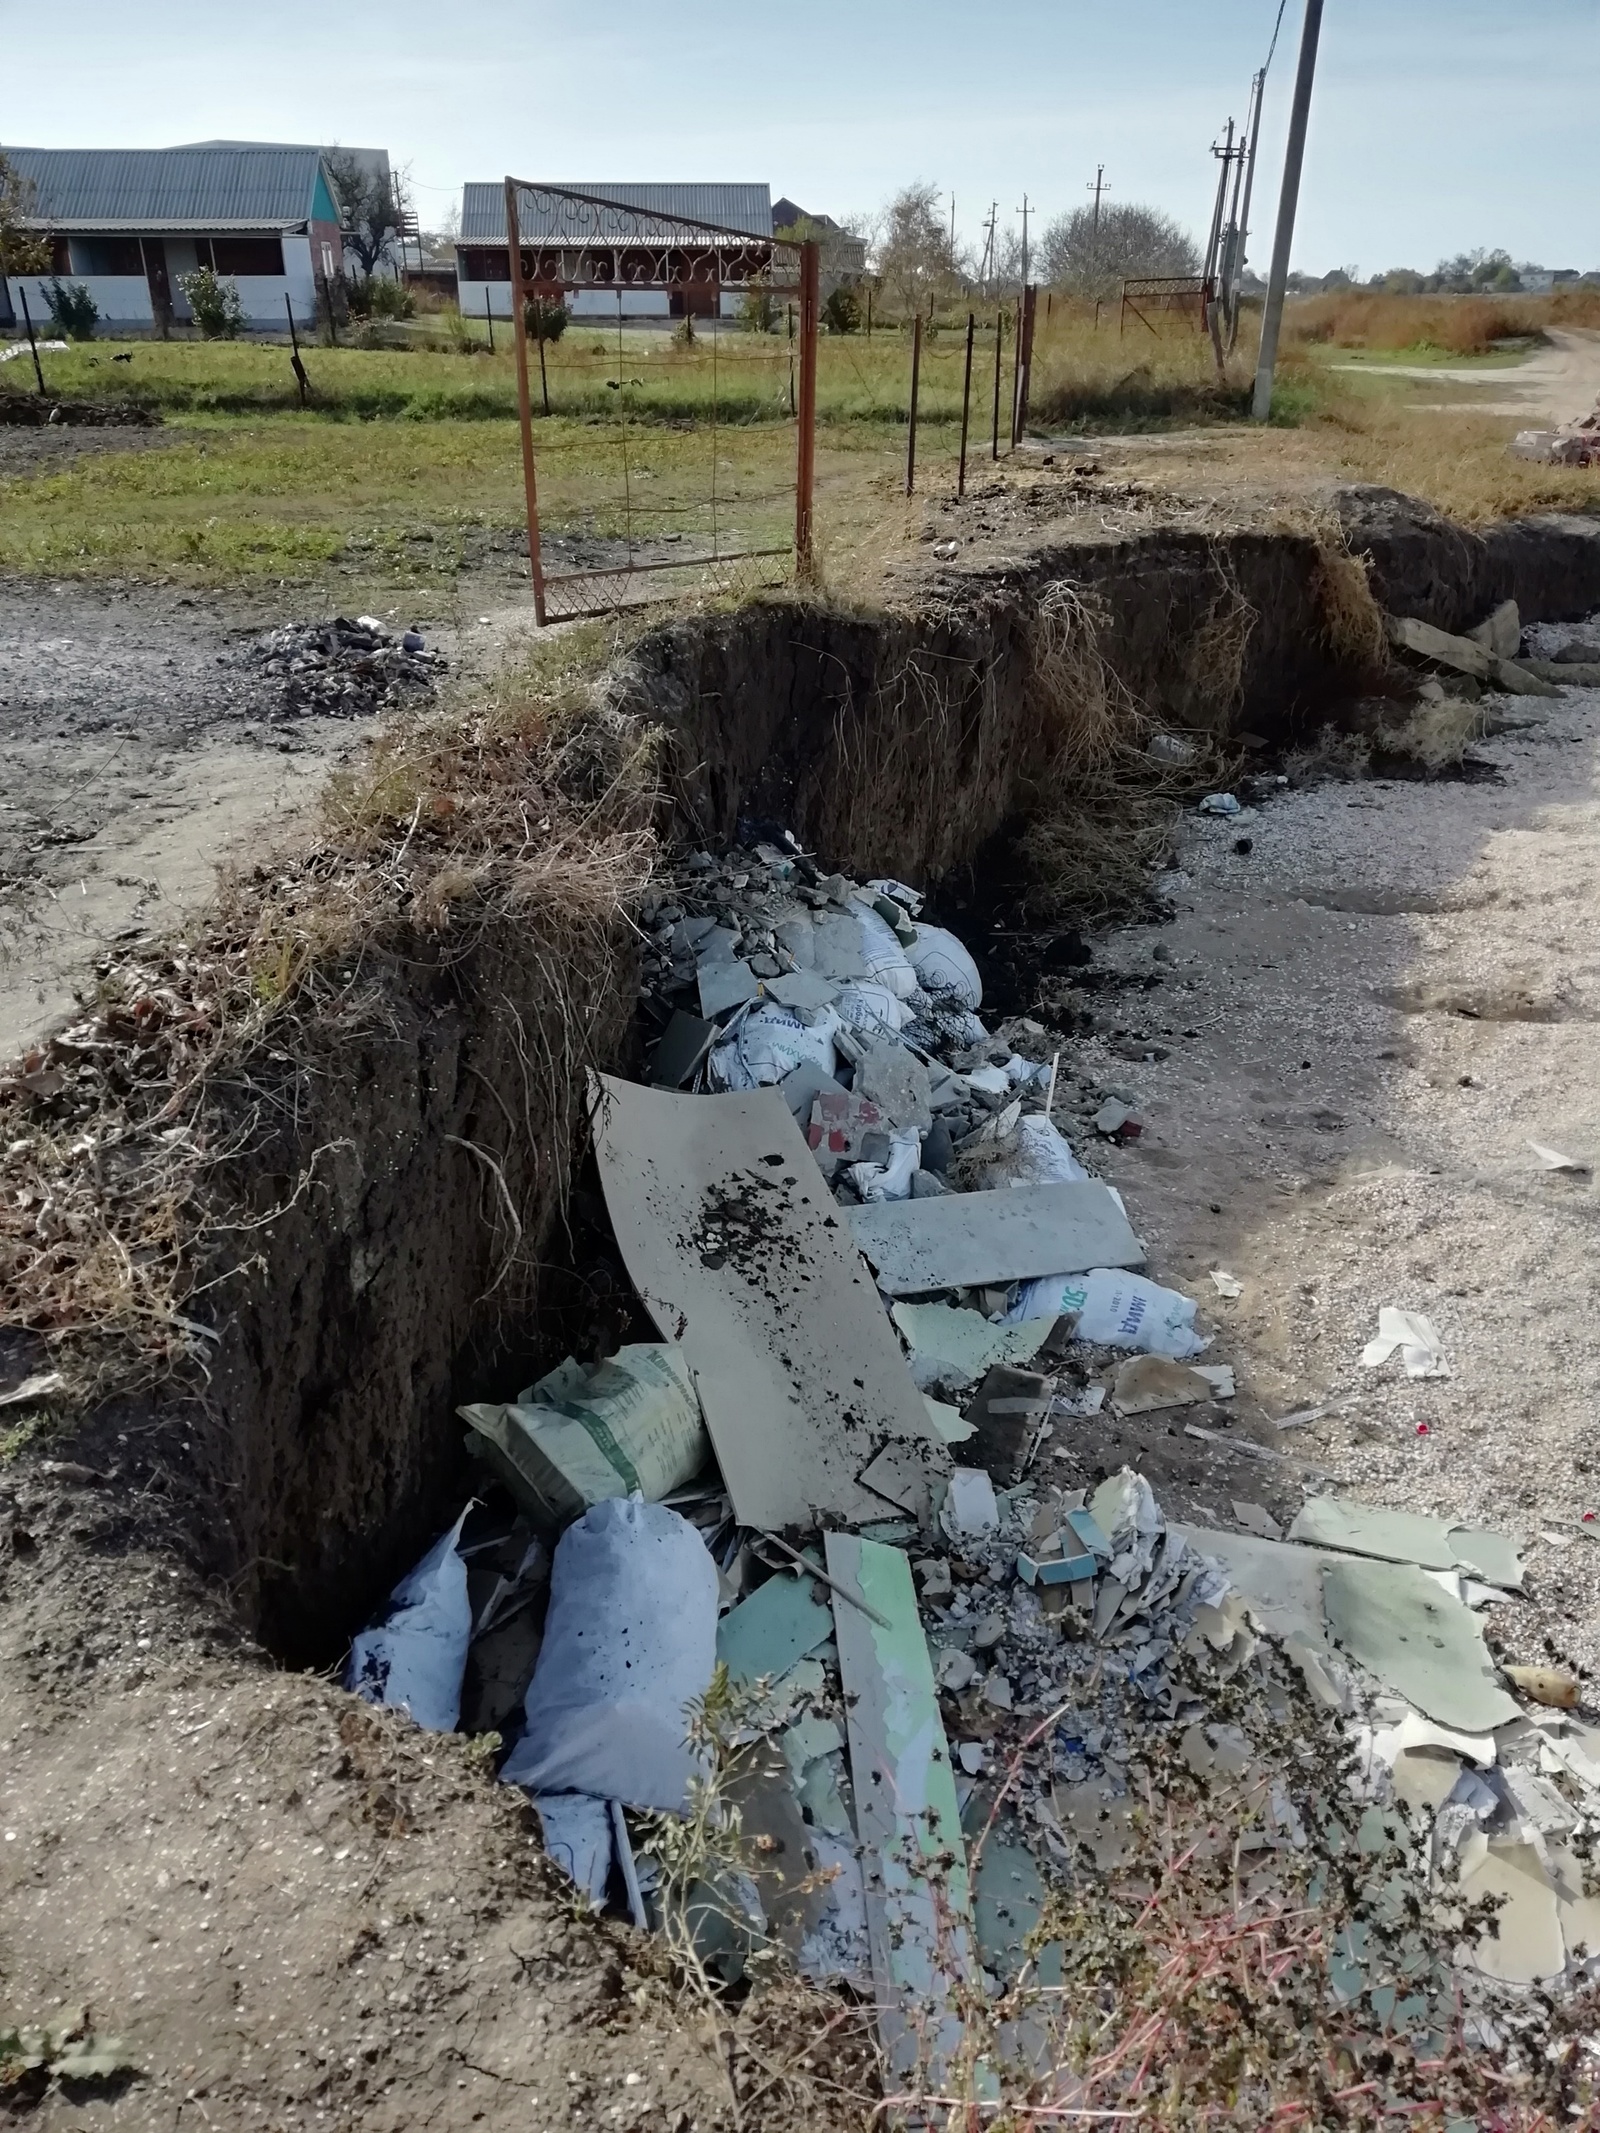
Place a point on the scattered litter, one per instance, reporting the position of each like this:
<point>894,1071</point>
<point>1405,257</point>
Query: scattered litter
<point>582,1434</point>
<point>945,967</point>
<point>954,1348</point>
<point>38,1387</point>
<point>1226,1284</point>
<point>1145,1384</point>
<point>415,1658</point>
<point>1548,1685</point>
<point>578,1837</point>
<point>1553,1159</point>
<point>1416,1340</point>
<point>1116,1122</point>
<point>629,1643</point>
<point>1115,1310</point>
<point>1218,803</point>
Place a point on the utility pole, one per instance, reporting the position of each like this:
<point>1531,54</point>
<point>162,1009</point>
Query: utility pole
<point>1288,201</point>
<point>1214,241</point>
<point>1248,167</point>
<point>986,268</point>
<point>1097,188</point>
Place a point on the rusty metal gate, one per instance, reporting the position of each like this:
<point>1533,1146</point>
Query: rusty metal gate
<point>669,432</point>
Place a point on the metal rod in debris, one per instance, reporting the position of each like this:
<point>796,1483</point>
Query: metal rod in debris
<point>805,1563</point>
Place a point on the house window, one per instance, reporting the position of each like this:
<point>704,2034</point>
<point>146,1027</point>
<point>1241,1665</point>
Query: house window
<point>106,255</point>
<point>247,255</point>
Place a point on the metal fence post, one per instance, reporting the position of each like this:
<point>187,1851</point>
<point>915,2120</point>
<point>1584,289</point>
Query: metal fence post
<point>806,446</point>
<point>27,320</point>
<point>488,318</point>
<point>916,370</point>
<point>519,325</point>
<point>999,339</point>
<point>966,402</point>
<point>1028,313</point>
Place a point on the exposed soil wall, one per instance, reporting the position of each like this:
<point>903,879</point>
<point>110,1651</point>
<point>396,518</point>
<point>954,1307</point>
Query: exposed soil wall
<point>399,1202</point>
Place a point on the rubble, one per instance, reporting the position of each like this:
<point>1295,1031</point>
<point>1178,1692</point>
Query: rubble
<point>844,1557</point>
<point>344,669</point>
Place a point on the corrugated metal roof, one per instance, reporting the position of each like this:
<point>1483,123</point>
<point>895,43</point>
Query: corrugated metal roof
<point>169,188</point>
<point>745,208</point>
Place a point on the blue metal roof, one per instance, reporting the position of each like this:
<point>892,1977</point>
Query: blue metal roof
<point>743,208</point>
<point>169,188</point>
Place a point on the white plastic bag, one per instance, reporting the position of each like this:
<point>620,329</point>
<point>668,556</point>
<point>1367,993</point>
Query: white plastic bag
<point>872,1009</point>
<point>1115,1310</point>
<point>769,1044</point>
<point>876,1182</point>
<point>943,966</point>
<point>885,958</point>
<point>584,1433</point>
<point>1042,1155</point>
<point>630,1641</point>
<point>416,1658</point>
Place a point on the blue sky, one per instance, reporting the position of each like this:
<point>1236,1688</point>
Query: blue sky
<point>1438,125</point>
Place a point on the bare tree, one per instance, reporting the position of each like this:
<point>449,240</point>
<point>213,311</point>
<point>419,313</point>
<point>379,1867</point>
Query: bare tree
<point>1131,241</point>
<point>913,255</point>
<point>373,204</point>
<point>22,250</point>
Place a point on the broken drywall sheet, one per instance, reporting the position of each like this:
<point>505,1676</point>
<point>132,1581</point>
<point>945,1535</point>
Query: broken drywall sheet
<point>1394,1621</point>
<point>773,1630</point>
<point>1408,1537</point>
<point>954,1347</point>
<point>919,1902</point>
<point>986,1239</point>
<point>1527,1947</point>
<point>1280,1584</point>
<point>742,1257</point>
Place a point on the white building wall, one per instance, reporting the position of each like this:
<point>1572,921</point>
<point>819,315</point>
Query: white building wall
<point>123,300</point>
<point>581,303</point>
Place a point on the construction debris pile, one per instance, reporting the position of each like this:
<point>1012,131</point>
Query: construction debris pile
<point>818,1623</point>
<point>344,669</point>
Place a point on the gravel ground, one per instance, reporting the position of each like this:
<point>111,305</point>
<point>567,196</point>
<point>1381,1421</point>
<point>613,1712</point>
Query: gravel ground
<point>1365,1019</point>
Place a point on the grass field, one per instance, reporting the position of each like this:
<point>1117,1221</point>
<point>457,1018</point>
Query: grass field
<point>405,470</point>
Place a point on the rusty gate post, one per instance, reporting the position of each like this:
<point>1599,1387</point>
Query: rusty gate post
<point>524,401</point>
<point>916,368</point>
<point>806,413</point>
<point>999,338</point>
<point>966,403</point>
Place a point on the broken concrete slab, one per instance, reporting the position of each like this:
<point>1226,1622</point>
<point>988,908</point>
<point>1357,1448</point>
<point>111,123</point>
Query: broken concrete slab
<point>1280,1583</point>
<point>987,1239</point>
<point>1460,654</point>
<point>725,985</point>
<point>1408,1537</point>
<point>1146,1384</point>
<point>1501,633</point>
<point>1394,1621</point>
<point>741,1256</point>
<point>919,1900</point>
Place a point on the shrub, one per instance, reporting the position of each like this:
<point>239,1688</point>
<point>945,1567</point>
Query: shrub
<point>377,296</point>
<point>758,309</point>
<point>842,312</point>
<point>74,310</point>
<point>544,321</point>
<point>215,304</point>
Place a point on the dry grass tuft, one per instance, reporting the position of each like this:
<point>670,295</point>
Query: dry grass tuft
<point>534,807</point>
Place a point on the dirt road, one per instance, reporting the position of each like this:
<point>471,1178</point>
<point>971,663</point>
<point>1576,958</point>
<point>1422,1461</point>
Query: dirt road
<point>139,752</point>
<point>1555,385</point>
<point>1364,1020</point>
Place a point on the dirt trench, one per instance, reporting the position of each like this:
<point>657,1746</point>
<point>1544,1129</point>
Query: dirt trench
<point>397,1243</point>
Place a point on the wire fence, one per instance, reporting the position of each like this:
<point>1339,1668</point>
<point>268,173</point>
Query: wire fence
<point>693,464</point>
